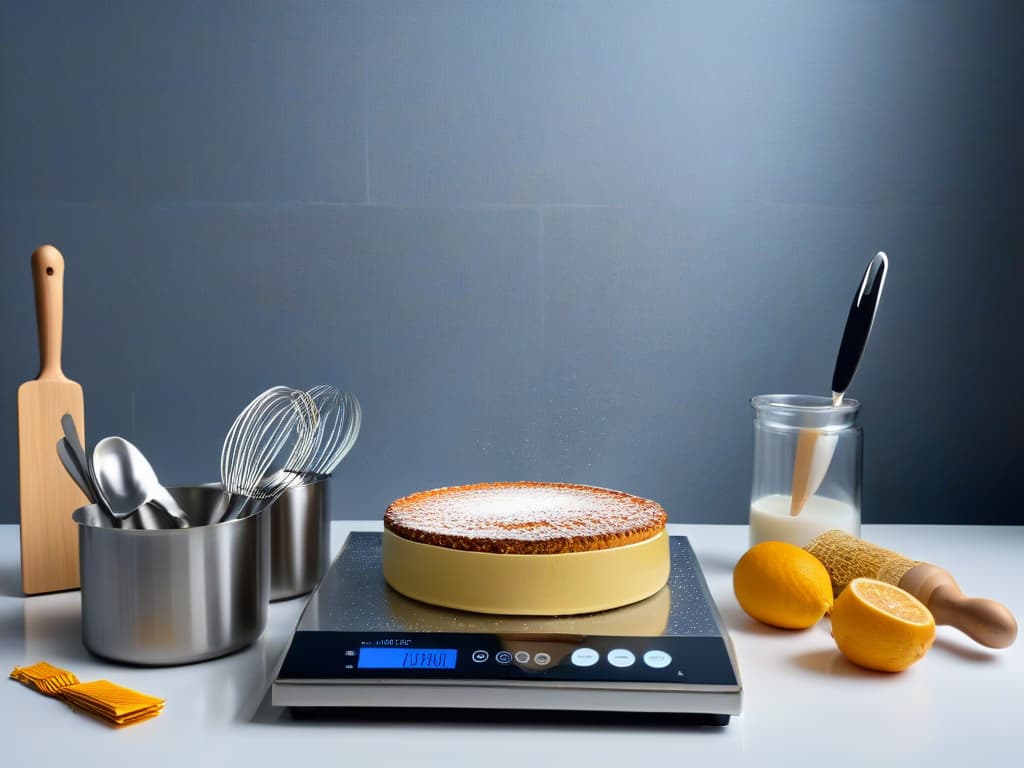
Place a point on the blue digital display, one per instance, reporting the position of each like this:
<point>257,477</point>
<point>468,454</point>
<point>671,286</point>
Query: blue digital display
<point>406,658</point>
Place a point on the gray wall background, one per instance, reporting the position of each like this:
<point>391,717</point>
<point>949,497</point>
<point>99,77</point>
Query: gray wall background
<point>540,240</point>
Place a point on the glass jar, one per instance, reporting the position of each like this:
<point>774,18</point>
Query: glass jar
<point>807,468</point>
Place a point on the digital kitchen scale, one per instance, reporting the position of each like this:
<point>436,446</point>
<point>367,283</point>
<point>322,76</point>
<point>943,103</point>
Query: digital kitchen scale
<point>360,645</point>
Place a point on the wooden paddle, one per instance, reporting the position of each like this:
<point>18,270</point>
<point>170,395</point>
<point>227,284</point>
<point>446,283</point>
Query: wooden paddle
<point>49,538</point>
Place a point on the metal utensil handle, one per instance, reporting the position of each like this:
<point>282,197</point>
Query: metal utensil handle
<point>164,500</point>
<point>67,459</point>
<point>858,324</point>
<point>74,442</point>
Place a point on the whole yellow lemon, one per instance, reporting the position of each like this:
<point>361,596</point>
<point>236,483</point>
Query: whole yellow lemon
<point>782,585</point>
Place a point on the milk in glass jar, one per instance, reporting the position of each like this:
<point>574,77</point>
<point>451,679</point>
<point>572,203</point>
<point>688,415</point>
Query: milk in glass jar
<point>807,468</point>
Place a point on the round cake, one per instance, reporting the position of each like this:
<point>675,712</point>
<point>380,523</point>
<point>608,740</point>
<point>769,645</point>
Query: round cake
<point>525,548</point>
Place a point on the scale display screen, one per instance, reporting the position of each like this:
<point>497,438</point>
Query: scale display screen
<point>407,658</point>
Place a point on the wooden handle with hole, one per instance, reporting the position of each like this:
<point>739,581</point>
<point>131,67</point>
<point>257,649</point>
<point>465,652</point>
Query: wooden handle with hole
<point>48,279</point>
<point>986,621</point>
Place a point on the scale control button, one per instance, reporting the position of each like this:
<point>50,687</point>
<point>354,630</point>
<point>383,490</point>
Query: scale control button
<point>657,659</point>
<point>584,657</point>
<point>620,657</point>
<point>480,656</point>
<point>503,657</point>
<point>522,657</point>
<point>541,659</point>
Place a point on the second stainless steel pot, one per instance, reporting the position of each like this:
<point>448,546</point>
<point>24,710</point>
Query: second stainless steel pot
<point>300,539</point>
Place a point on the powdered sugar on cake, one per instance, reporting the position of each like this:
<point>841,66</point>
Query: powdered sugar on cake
<point>524,518</point>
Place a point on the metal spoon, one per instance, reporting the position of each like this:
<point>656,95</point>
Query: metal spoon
<point>126,481</point>
<point>814,449</point>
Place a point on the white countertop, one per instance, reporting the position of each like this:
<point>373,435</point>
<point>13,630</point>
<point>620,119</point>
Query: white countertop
<point>802,699</point>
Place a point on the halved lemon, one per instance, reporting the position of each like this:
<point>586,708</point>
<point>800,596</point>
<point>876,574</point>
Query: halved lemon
<point>879,626</point>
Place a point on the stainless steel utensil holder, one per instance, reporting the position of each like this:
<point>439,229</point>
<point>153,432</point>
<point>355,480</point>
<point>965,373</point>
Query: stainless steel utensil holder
<point>174,596</point>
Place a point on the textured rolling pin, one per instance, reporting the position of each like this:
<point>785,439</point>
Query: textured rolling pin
<point>846,557</point>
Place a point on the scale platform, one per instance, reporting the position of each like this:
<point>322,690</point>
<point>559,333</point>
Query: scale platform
<point>362,646</point>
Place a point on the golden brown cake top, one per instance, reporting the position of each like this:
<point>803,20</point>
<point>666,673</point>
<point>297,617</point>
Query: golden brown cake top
<point>525,518</point>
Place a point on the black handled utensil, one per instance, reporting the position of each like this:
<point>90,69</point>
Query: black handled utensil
<point>858,325</point>
<point>814,450</point>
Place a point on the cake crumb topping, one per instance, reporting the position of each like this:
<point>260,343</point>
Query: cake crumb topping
<point>525,518</point>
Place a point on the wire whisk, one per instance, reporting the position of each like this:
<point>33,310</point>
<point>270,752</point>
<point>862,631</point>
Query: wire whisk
<point>279,421</point>
<point>340,420</point>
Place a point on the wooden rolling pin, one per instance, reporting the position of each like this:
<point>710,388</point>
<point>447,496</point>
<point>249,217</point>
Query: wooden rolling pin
<point>846,558</point>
